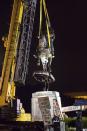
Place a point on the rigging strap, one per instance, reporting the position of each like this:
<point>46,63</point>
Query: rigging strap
<point>48,24</point>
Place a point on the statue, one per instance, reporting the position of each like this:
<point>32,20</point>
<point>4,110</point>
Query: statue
<point>44,55</point>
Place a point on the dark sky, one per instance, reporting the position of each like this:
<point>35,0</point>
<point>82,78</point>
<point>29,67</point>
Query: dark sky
<point>69,20</point>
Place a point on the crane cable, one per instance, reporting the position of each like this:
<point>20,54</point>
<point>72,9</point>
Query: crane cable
<point>40,26</point>
<point>43,3</point>
<point>47,22</point>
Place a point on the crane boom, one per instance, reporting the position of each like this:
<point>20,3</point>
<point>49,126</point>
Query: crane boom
<point>10,53</point>
<point>25,41</point>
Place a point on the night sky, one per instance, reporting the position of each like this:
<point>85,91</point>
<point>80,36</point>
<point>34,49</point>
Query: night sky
<point>69,20</point>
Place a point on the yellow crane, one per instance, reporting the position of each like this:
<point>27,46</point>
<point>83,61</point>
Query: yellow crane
<point>7,85</point>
